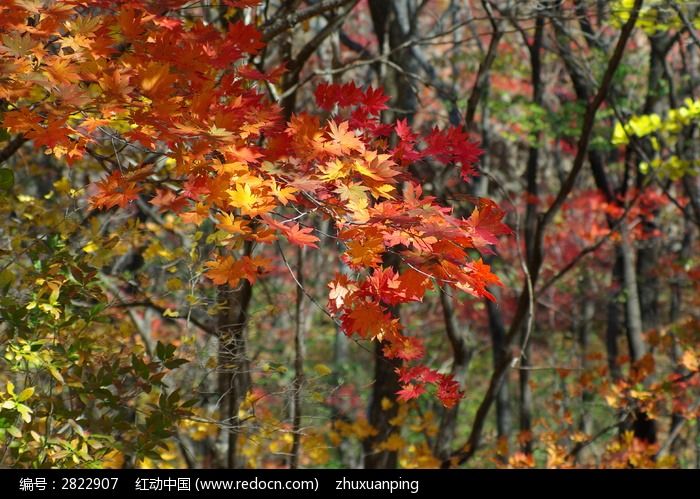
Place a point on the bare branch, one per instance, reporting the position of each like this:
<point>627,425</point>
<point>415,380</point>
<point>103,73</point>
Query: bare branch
<point>278,25</point>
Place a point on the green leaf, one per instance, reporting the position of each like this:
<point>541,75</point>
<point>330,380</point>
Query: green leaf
<point>175,363</point>
<point>160,350</point>
<point>140,367</point>
<point>169,350</point>
<point>7,179</point>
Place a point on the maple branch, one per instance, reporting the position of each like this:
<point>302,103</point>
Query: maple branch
<point>462,353</point>
<point>147,303</point>
<point>301,287</point>
<point>367,58</point>
<point>12,147</point>
<point>291,80</point>
<point>276,26</point>
<point>582,445</point>
<point>316,41</point>
<point>353,45</point>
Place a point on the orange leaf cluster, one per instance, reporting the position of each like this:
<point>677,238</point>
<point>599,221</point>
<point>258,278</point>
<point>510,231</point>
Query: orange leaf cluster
<point>88,76</point>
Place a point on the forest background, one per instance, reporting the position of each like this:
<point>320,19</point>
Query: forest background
<point>349,233</point>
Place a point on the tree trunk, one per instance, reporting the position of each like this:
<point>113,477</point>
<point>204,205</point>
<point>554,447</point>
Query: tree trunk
<point>500,352</point>
<point>531,177</point>
<point>234,364</point>
<point>392,19</point>
<point>384,391</point>
<point>614,327</point>
<point>461,355</point>
<point>644,428</point>
<point>299,351</point>
<point>583,331</point>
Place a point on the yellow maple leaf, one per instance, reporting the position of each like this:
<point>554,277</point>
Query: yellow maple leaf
<point>242,198</point>
<point>283,194</point>
<point>690,361</point>
<point>333,170</point>
<point>232,225</point>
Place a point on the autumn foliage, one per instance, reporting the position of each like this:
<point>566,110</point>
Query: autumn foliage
<point>189,181</point>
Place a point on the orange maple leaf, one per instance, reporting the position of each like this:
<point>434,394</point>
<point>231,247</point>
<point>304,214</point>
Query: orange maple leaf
<point>370,321</point>
<point>365,252</point>
<point>300,237</point>
<point>226,270</point>
<point>343,141</point>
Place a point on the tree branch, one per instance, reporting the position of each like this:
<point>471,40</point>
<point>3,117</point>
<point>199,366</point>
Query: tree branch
<point>12,147</point>
<point>285,22</point>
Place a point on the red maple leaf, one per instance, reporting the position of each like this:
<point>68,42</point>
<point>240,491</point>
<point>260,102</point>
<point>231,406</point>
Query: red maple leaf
<point>329,94</point>
<point>385,284</point>
<point>374,101</point>
<point>453,146</point>
<point>476,278</point>
<point>410,391</point>
<point>166,199</point>
<point>341,292</point>
<point>417,373</point>
<point>405,150</point>
<point>115,190</point>
<point>448,391</point>
<point>415,378</point>
<point>486,223</point>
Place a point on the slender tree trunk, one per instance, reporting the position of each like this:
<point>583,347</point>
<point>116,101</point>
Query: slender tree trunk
<point>299,348</point>
<point>632,305</point>
<point>531,174</point>
<point>234,365</point>
<point>382,408</point>
<point>614,324</point>
<point>649,248</point>
<point>499,347</point>
<point>461,355</point>
<point>644,427</point>
<point>392,21</point>
<point>678,419</point>
<point>583,330</point>
<point>500,353</point>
